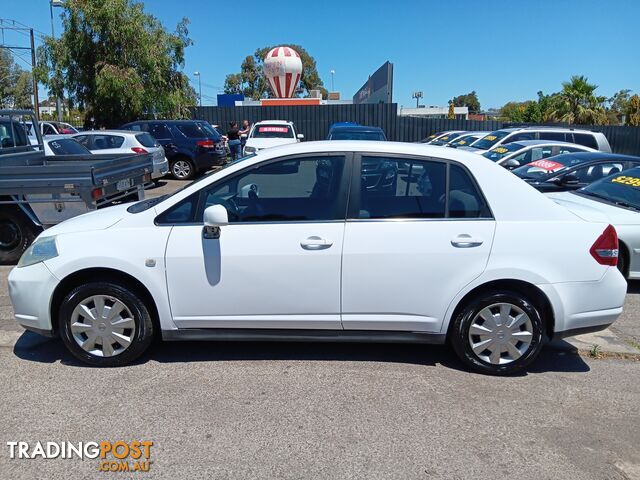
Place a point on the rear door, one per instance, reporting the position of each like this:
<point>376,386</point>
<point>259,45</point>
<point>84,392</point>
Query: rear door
<point>419,230</point>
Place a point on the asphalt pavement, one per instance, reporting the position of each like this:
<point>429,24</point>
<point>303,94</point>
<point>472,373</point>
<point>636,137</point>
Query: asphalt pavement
<point>334,411</point>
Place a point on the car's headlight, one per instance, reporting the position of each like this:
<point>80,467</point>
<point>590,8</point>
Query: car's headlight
<point>42,249</point>
<point>250,149</point>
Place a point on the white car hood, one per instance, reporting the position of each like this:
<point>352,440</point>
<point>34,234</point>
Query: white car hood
<point>595,211</point>
<point>479,151</point>
<point>261,143</point>
<point>96,220</point>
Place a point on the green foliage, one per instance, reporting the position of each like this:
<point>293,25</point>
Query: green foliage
<point>633,111</point>
<point>578,103</point>
<point>16,85</point>
<point>469,100</point>
<point>253,84</point>
<point>451,115</point>
<point>117,63</point>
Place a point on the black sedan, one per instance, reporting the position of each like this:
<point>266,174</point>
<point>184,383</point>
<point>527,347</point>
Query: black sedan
<point>571,171</point>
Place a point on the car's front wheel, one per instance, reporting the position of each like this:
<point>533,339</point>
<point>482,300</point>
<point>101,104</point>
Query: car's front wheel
<point>105,324</point>
<point>498,333</point>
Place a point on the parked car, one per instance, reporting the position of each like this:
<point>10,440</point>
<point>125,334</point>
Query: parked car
<point>587,138</point>
<point>45,182</point>
<point>445,139</point>
<point>614,199</point>
<point>126,141</point>
<point>572,171</point>
<point>437,135</point>
<point>465,139</point>
<point>516,154</point>
<point>52,128</point>
<point>191,146</point>
<point>356,132</point>
<point>271,133</point>
<point>287,244</point>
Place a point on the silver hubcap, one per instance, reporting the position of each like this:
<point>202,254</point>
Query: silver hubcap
<point>181,169</point>
<point>102,325</point>
<point>500,333</point>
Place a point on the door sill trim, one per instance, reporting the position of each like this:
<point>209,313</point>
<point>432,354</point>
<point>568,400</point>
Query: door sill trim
<point>279,335</point>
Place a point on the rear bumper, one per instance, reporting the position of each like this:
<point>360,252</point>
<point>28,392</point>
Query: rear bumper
<point>204,161</point>
<point>160,169</point>
<point>582,307</point>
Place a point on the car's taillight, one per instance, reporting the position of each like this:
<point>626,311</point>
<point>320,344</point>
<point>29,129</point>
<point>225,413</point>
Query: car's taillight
<point>97,193</point>
<point>605,248</point>
<point>206,143</point>
<point>138,150</point>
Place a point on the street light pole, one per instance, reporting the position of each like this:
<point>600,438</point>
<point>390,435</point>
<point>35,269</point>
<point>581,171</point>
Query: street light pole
<point>197,74</point>
<point>58,3</point>
<point>333,72</point>
<point>417,95</point>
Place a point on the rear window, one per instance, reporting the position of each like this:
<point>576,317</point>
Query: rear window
<point>191,130</point>
<point>356,135</point>
<point>210,130</point>
<point>272,131</point>
<point>586,140</point>
<point>67,146</point>
<point>146,140</point>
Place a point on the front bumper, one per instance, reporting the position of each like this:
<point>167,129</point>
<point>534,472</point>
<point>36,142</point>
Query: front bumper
<point>30,291</point>
<point>582,307</point>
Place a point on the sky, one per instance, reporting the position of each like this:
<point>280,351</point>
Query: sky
<point>503,49</point>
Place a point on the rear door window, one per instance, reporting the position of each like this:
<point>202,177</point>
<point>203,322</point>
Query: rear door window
<point>585,139</point>
<point>191,130</point>
<point>465,201</point>
<point>159,131</point>
<point>555,136</point>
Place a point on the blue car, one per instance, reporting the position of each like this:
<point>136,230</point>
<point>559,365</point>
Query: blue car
<point>353,131</point>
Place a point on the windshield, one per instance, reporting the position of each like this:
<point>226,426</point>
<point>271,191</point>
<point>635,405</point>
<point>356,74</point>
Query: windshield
<point>488,141</point>
<point>272,131</point>
<point>146,204</point>
<point>464,140</point>
<point>446,138</point>
<point>543,167</point>
<point>431,137</point>
<point>356,135</point>
<point>502,151</point>
<point>67,146</point>
<point>622,189</point>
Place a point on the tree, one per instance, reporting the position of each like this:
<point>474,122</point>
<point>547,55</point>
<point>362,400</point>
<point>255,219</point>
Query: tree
<point>253,84</point>
<point>578,103</point>
<point>618,105</point>
<point>452,112</point>
<point>22,91</point>
<point>117,62</point>
<point>633,111</point>
<point>470,100</point>
<point>16,86</point>
<point>514,111</point>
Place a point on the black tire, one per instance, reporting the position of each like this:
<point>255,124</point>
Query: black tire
<point>16,234</point>
<point>183,163</point>
<point>141,335</point>
<point>459,332</point>
<point>623,260</point>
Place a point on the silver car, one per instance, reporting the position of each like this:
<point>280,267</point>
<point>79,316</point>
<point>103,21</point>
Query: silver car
<point>126,141</point>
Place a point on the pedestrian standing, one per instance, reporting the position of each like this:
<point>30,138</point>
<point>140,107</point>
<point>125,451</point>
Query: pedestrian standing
<point>233,135</point>
<point>244,134</point>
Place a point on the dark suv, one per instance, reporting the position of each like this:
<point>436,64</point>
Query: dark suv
<point>191,146</point>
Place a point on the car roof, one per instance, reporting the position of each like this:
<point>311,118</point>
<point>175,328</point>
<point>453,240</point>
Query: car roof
<point>597,155</point>
<point>107,132</point>
<point>357,128</point>
<point>275,122</point>
<point>529,143</point>
<point>545,128</point>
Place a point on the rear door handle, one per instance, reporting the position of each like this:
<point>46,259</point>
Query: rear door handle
<point>466,241</point>
<point>315,243</point>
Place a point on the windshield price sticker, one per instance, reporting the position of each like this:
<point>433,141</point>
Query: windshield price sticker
<point>462,142</point>
<point>273,129</point>
<point>500,150</point>
<point>625,180</point>
<point>491,138</point>
<point>548,165</point>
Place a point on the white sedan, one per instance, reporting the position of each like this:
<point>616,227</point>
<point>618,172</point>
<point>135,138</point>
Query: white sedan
<point>338,241</point>
<point>614,199</point>
<point>126,142</point>
<point>271,133</point>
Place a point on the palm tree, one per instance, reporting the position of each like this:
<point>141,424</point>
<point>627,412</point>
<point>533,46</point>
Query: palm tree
<point>578,103</point>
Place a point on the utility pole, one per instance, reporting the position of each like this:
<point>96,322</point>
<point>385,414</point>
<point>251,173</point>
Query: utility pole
<point>36,103</point>
<point>53,35</point>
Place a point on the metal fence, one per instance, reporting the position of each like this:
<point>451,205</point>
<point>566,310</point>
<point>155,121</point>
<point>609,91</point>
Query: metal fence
<point>314,121</point>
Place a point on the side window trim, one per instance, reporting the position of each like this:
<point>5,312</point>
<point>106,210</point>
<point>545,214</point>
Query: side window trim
<point>344,191</point>
<point>353,208</point>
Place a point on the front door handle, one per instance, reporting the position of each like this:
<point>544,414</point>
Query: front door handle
<point>466,241</point>
<point>315,243</point>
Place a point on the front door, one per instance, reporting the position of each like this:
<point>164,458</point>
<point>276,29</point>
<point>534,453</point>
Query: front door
<point>278,262</point>
<point>411,244</point>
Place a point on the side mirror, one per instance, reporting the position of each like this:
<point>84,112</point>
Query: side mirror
<point>214,217</point>
<point>570,179</point>
<point>511,164</point>
<point>300,136</point>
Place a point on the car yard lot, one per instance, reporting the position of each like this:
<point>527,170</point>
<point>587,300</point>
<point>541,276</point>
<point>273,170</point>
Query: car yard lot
<point>245,410</point>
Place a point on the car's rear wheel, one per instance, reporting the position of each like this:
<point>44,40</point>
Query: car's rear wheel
<point>182,169</point>
<point>498,333</point>
<point>16,234</point>
<point>105,324</point>
<point>623,261</point>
